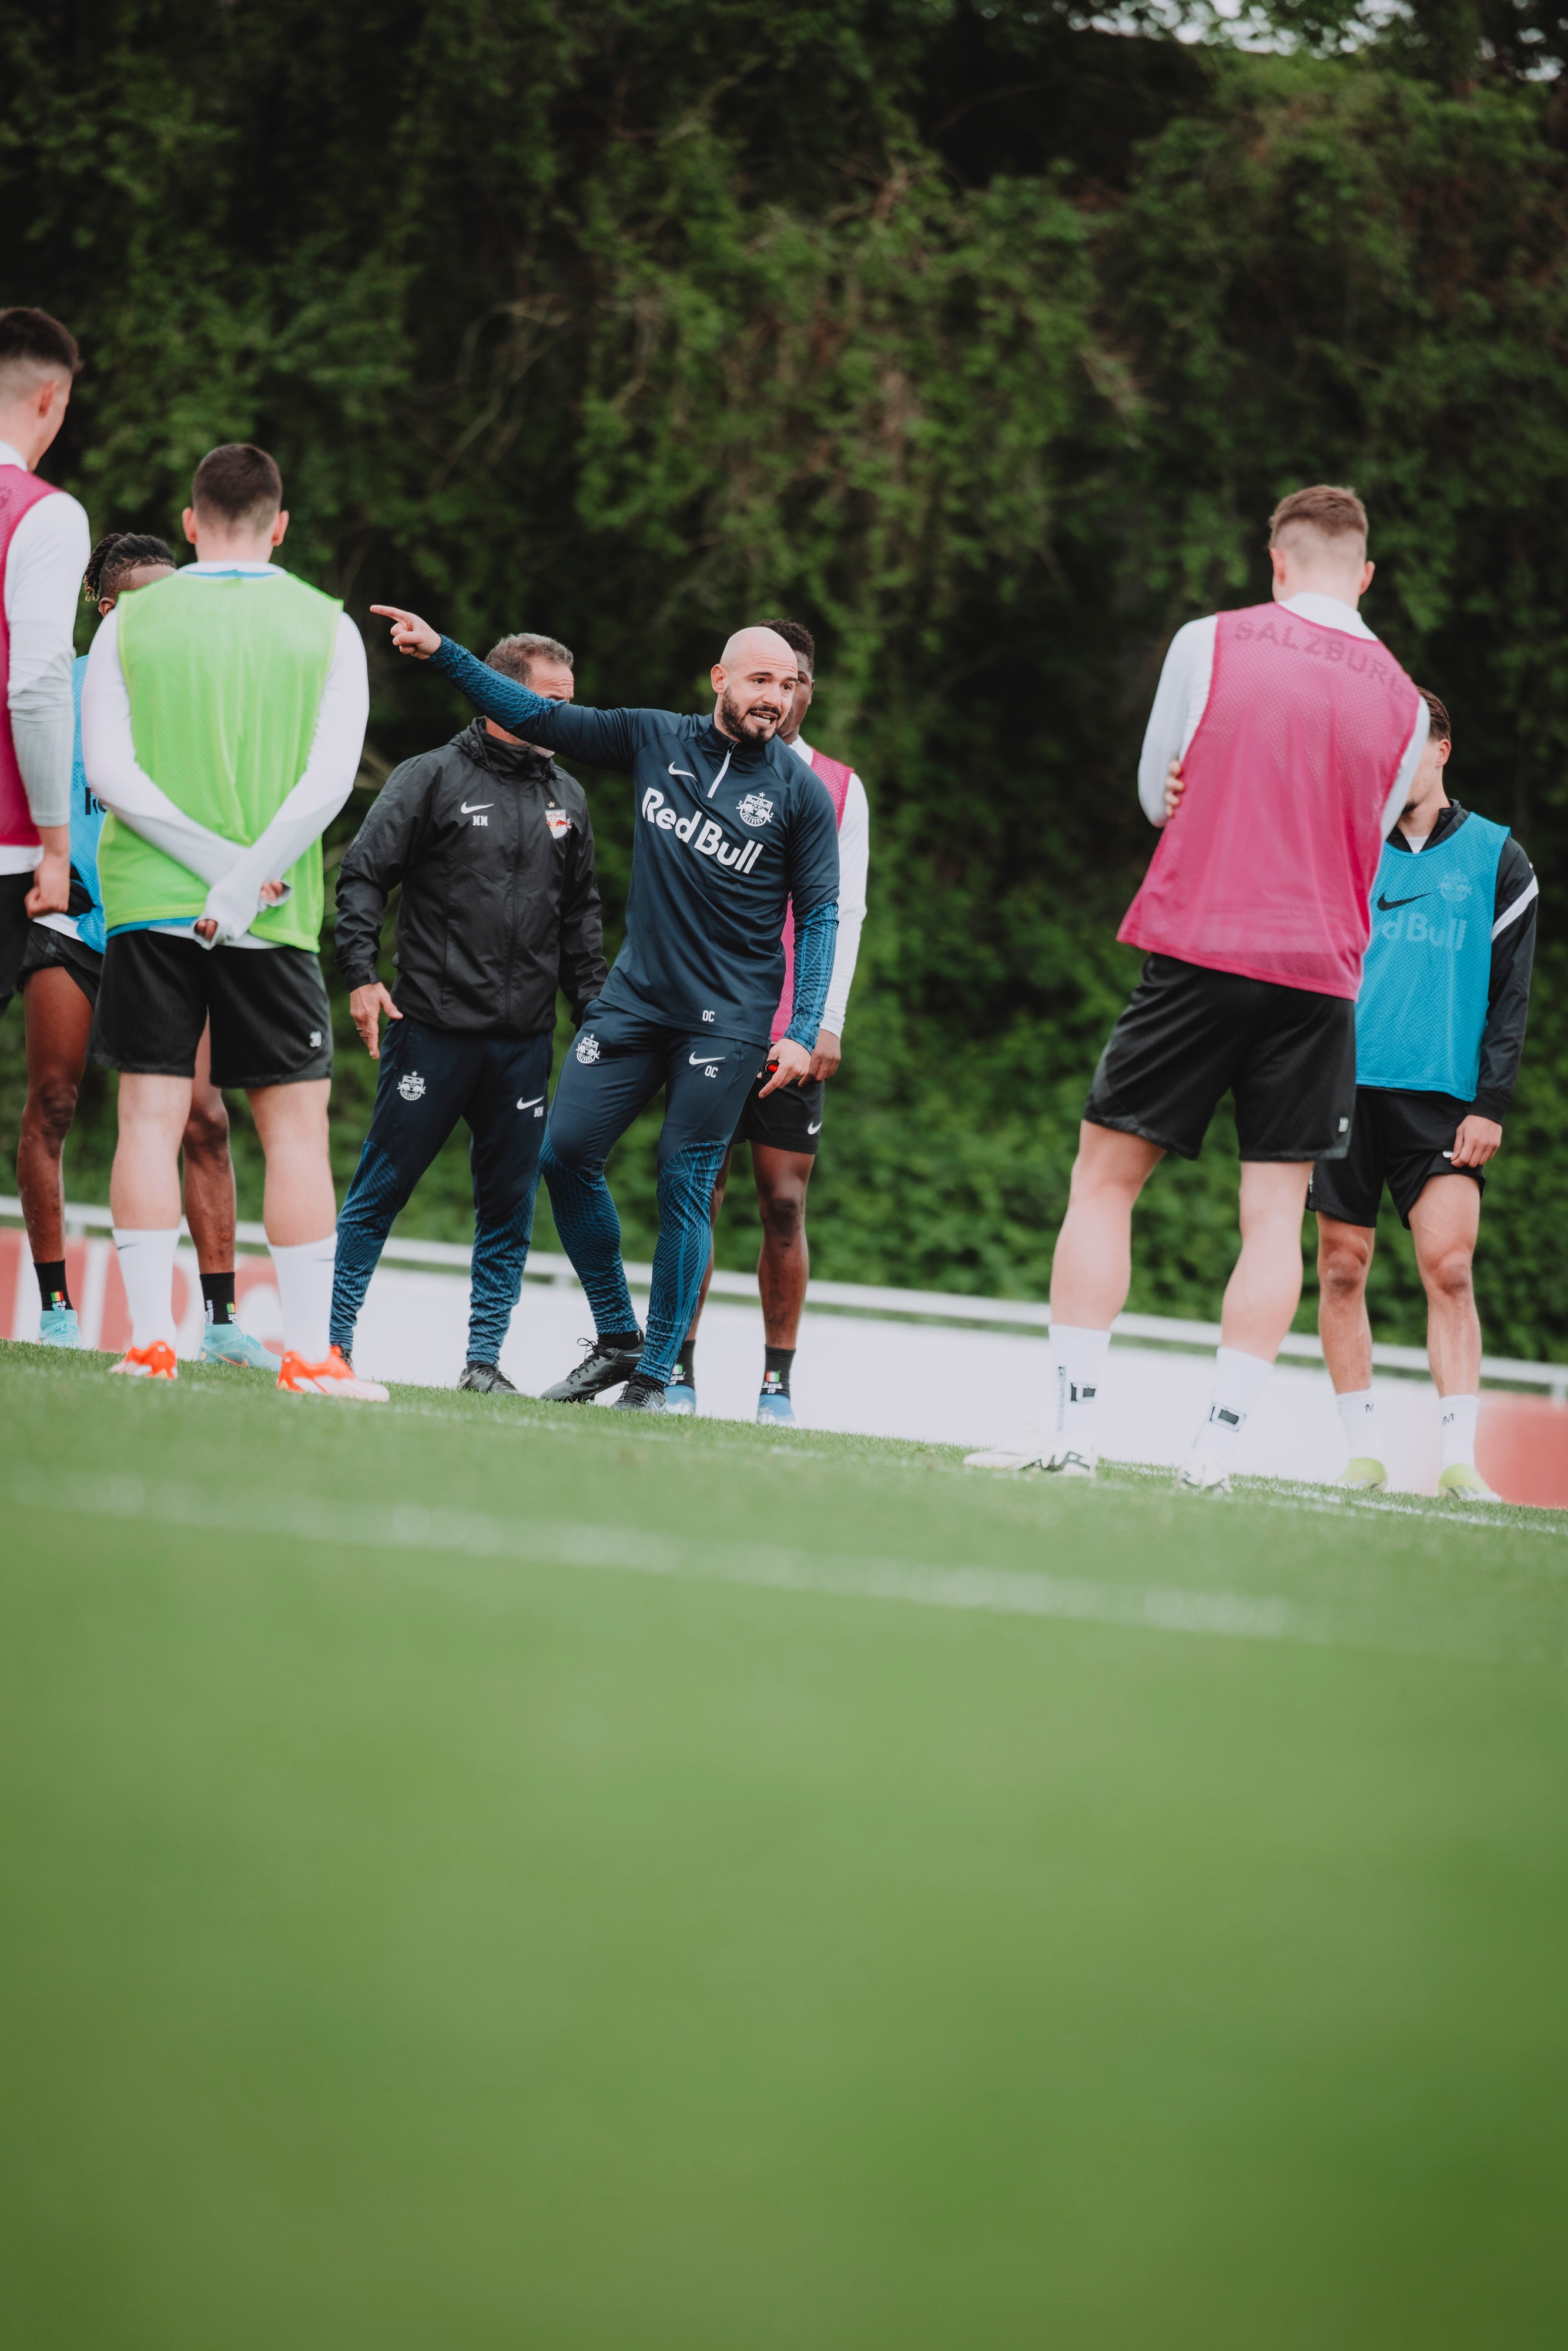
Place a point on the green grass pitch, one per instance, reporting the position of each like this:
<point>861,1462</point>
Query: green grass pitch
<point>478,1874</point>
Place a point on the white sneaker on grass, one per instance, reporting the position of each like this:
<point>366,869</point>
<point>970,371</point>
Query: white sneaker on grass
<point>1461,1483</point>
<point>1057,1460</point>
<point>1200,1473</point>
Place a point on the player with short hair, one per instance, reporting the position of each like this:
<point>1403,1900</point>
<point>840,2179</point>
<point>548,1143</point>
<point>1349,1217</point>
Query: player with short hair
<point>493,847</point>
<point>730,827</point>
<point>1294,735</point>
<point>1439,1033</point>
<point>42,551</point>
<point>782,1128</point>
<point>61,965</point>
<point>222,718</point>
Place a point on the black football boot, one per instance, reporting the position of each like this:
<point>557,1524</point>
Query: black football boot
<point>640,1394</point>
<point>486,1379</point>
<point>608,1362</point>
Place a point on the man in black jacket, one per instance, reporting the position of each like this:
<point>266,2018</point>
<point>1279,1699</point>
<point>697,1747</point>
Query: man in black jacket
<point>494,848</point>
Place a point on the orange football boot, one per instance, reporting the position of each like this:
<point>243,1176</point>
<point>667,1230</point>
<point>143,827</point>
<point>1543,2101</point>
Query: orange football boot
<point>335,1376</point>
<point>153,1362</point>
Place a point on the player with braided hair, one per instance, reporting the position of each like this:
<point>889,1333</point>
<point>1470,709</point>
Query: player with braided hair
<point>61,964</point>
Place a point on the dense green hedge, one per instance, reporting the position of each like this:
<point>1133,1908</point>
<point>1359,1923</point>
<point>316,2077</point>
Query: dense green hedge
<point>982,342</point>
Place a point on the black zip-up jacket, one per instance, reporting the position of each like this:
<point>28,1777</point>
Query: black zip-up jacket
<point>1512,960</point>
<point>494,847</point>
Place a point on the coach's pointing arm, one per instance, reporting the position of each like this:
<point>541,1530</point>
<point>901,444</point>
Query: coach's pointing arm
<point>605,738</point>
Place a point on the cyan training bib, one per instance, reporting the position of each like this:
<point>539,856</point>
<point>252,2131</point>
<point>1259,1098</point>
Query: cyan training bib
<point>1422,1009</point>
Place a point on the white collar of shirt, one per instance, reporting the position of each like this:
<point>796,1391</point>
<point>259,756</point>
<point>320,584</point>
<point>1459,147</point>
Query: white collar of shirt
<point>244,571</point>
<point>1329,613</point>
<point>9,457</point>
<point>802,749</point>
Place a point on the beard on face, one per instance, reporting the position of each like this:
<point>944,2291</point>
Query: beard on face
<point>752,724</point>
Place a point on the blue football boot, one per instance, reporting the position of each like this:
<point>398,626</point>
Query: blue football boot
<point>225,1343</point>
<point>774,1409</point>
<point>57,1327</point>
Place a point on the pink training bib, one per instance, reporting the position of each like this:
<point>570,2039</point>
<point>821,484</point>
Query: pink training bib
<point>1267,868</point>
<point>836,781</point>
<point>19,493</point>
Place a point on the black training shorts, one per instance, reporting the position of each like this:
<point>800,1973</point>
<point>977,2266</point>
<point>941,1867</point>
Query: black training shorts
<point>789,1120</point>
<point>49,950</point>
<point>1398,1139</point>
<point>271,1024</point>
<point>15,927</point>
<point>1286,1056</point>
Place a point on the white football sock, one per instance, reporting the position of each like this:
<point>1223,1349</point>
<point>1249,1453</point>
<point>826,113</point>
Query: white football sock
<point>1355,1412</point>
<point>305,1294</point>
<point>147,1269</point>
<point>1237,1380</point>
<point>1459,1429</point>
<point>1077,1369</point>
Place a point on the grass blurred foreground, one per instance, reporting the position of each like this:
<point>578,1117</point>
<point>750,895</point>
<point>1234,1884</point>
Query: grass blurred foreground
<point>480,1874</point>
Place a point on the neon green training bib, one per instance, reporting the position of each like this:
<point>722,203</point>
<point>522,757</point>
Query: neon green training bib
<point>225,674</point>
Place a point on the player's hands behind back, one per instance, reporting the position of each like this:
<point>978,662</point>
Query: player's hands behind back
<point>270,894</point>
<point>790,1063</point>
<point>1174,789</point>
<point>410,635</point>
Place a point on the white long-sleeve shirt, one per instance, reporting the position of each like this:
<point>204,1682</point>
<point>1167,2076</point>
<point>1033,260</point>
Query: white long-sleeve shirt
<point>234,872</point>
<point>1183,694</point>
<point>854,867</point>
<point>44,564</point>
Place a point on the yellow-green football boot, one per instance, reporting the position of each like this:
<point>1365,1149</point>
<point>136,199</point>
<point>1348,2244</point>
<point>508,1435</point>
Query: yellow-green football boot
<point>1461,1483</point>
<point>1363,1475</point>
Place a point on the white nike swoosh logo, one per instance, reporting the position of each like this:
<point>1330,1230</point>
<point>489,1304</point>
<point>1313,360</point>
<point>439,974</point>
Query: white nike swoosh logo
<point>815,1130</point>
<point>681,771</point>
<point>697,1060</point>
<point>466,810</point>
<point>530,1102</point>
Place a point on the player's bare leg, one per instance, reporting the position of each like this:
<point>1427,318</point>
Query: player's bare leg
<point>1265,1287</point>
<point>783,1268</point>
<point>210,1212</point>
<point>144,1200</point>
<point>1345,1260</point>
<point>59,1022</point>
<point>210,1203</point>
<point>1260,1301</point>
<point>783,1272</point>
<point>1090,1278</point>
<point>299,1209</point>
<point>1445,1221</point>
<point>1092,1269</point>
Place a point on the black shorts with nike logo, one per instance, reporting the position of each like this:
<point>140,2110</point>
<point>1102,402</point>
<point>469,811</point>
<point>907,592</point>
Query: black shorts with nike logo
<point>789,1120</point>
<point>1401,1139</point>
<point>1286,1057</point>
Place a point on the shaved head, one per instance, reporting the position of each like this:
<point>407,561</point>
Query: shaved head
<point>754,684</point>
<point>756,649</point>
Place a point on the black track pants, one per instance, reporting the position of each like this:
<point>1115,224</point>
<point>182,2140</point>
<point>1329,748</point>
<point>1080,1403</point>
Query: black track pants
<point>431,1078</point>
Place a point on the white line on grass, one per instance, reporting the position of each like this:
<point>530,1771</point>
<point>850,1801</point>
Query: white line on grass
<point>413,1527</point>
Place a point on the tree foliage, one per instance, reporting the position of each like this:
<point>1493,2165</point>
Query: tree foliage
<point>983,340</point>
